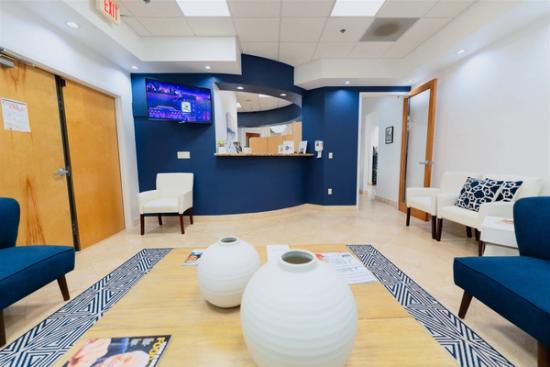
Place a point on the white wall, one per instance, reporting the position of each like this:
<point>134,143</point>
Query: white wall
<point>494,109</point>
<point>381,112</point>
<point>25,34</point>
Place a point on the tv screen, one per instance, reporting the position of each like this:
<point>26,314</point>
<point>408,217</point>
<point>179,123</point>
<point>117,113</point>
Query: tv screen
<point>173,102</point>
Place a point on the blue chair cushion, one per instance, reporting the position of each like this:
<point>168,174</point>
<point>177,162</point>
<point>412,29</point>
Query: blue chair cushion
<point>24,269</point>
<point>517,287</point>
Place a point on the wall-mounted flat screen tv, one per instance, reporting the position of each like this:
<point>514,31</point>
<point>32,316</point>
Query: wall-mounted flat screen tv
<point>180,103</point>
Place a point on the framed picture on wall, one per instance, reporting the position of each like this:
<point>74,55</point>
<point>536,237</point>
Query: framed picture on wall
<point>389,135</point>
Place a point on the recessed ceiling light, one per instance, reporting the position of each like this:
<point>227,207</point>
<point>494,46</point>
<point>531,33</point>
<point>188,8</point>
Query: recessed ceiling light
<point>239,105</point>
<point>262,95</point>
<point>283,94</point>
<point>461,51</point>
<point>346,82</point>
<point>72,24</point>
<point>134,67</point>
<point>240,87</point>
<point>208,67</point>
<point>211,8</point>
<point>356,8</point>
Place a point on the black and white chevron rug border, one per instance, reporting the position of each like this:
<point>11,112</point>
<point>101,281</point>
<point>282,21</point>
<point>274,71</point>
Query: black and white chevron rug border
<point>464,344</point>
<point>42,345</point>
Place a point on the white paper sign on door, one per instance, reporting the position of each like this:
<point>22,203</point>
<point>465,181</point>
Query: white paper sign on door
<point>15,115</point>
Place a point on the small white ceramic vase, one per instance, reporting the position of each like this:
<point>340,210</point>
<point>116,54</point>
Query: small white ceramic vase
<point>298,312</point>
<point>224,269</point>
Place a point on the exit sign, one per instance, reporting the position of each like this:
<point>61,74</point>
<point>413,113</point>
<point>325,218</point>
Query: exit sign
<point>109,9</point>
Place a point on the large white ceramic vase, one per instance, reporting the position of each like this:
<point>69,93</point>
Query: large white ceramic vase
<point>298,312</point>
<point>224,269</point>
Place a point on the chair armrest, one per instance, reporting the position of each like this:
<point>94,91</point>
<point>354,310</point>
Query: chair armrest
<point>146,196</point>
<point>422,191</point>
<point>503,209</point>
<point>185,201</point>
<point>446,199</point>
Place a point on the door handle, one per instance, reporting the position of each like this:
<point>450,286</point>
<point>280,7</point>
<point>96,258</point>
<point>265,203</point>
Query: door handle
<point>62,172</point>
<point>426,163</point>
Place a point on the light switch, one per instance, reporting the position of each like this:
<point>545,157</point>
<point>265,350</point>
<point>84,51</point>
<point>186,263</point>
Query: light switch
<point>184,155</point>
<point>330,155</point>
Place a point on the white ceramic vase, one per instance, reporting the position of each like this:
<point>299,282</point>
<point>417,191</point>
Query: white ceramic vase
<point>224,269</point>
<point>298,312</point>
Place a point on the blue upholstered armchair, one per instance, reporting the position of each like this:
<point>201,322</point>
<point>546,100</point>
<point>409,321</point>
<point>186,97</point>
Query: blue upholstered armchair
<point>24,269</point>
<point>517,287</point>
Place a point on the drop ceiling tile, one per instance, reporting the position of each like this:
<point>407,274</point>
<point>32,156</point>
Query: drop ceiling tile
<point>420,32</point>
<point>255,8</point>
<point>136,26</point>
<point>268,50</point>
<point>307,8</point>
<point>405,8</point>
<point>333,50</point>
<point>301,29</point>
<point>370,49</point>
<point>449,8</point>
<point>257,29</point>
<point>211,26</point>
<point>153,9</point>
<point>355,28</point>
<point>167,26</point>
<point>296,53</point>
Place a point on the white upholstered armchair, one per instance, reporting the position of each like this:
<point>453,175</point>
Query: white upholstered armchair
<point>425,198</point>
<point>173,196</point>
<point>446,208</point>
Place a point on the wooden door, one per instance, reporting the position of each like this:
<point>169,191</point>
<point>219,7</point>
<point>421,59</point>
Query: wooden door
<point>420,157</point>
<point>95,169</point>
<point>29,160</point>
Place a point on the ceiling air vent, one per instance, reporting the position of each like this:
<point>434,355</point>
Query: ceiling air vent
<point>387,29</point>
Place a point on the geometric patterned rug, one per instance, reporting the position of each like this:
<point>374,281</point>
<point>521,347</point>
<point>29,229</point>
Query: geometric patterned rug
<point>50,339</point>
<point>53,337</point>
<point>464,344</point>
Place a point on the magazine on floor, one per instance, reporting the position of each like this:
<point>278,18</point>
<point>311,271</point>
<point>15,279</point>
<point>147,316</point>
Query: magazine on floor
<point>193,258</point>
<point>135,351</point>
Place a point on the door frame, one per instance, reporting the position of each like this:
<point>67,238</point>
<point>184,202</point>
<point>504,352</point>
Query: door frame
<point>360,141</point>
<point>432,86</point>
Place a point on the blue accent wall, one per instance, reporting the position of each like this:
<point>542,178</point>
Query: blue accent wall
<point>269,117</point>
<point>253,184</point>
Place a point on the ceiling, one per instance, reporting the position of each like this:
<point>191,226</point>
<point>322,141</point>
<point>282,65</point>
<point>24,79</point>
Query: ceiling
<point>252,102</point>
<point>296,31</point>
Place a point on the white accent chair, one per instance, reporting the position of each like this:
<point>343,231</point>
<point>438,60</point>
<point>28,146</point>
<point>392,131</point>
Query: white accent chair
<point>173,195</point>
<point>425,198</point>
<point>446,209</point>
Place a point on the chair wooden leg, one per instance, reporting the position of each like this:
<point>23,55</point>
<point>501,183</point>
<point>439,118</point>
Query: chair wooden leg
<point>543,355</point>
<point>469,232</point>
<point>477,234</point>
<point>181,224</point>
<point>439,228</point>
<point>160,220</point>
<point>62,281</point>
<point>434,227</point>
<point>408,222</point>
<point>466,299</point>
<point>2,329</point>
<point>191,215</point>
<point>481,248</point>
<point>142,224</point>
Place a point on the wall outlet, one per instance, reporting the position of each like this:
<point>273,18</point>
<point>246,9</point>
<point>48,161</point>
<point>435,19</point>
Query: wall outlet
<point>330,191</point>
<point>330,155</point>
<point>184,155</point>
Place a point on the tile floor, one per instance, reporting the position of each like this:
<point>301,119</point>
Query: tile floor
<point>412,249</point>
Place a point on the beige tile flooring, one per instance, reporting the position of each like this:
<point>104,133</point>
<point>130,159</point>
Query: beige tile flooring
<point>412,249</point>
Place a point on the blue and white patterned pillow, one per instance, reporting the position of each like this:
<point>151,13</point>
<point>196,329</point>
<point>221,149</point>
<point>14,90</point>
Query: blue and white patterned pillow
<point>508,190</point>
<point>476,192</point>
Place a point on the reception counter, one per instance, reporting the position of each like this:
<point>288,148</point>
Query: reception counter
<point>240,155</point>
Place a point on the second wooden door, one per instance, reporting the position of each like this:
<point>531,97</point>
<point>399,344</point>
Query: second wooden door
<point>92,142</point>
